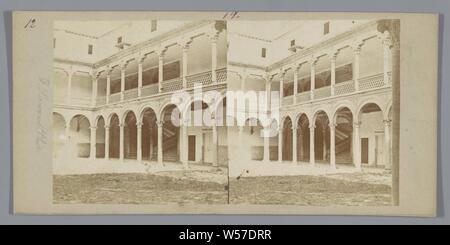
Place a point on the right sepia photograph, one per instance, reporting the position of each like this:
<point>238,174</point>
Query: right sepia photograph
<point>315,111</point>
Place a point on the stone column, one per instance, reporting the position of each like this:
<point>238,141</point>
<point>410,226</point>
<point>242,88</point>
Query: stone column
<point>357,51</point>
<point>280,145</point>
<point>281,88</point>
<point>214,38</point>
<point>387,144</point>
<point>93,153</point>
<point>94,90</point>
<point>122,81</point>
<point>333,74</point>
<point>333,145</point>
<point>184,150</point>
<point>69,87</point>
<point>313,76</point>
<point>160,71</point>
<point>357,145</point>
<point>215,144</point>
<point>139,141</point>
<point>312,156</point>
<point>107,142</point>
<point>184,71</point>
<point>296,70</point>
<point>140,61</point>
<point>108,85</point>
<point>266,146</point>
<point>160,142</point>
<point>121,142</point>
<point>386,56</point>
<point>294,143</point>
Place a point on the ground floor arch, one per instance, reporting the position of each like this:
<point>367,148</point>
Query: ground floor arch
<point>59,135</point>
<point>79,142</point>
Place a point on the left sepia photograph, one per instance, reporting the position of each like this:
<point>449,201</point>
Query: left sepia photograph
<point>124,96</point>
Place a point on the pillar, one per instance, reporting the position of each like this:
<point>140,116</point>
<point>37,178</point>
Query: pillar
<point>281,88</point>
<point>324,143</point>
<point>69,88</point>
<point>122,81</point>
<point>357,51</point>
<point>266,157</point>
<point>357,145</point>
<point>387,144</point>
<point>160,142</point>
<point>121,141</point>
<point>386,56</point>
<point>93,145</point>
<point>94,90</point>
<point>280,145</point>
<point>294,144</point>
<point>140,76</point>
<point>108,85</point>
<point>395,80</point>
<point>160,71</point>
<point>312,156</point>
<point>107,142</point>
<point>313,77</point>
<point>185,49</point>
<point>295,84</point>
<point>139,141</point>
<point>333,74</point>
<point>214,58</point>
<point>215,136</point>
<point>333,145</point>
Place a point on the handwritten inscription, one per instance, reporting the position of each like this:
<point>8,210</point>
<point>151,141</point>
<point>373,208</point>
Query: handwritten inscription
<point>43,100</point>
<point>231,15</point>
<point>30,24</point>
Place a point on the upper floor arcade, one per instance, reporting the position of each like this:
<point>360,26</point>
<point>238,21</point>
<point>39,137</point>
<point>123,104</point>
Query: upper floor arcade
<point>193,53</point>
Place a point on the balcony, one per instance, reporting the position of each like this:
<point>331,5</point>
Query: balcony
<point>348,87</point>
<point>172,85</point>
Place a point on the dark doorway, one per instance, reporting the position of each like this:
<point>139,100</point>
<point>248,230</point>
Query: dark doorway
<point>191,148</point>
<point>364,150</point>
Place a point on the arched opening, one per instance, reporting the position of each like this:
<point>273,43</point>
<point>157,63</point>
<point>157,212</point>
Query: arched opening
<point>114,137</point>
<point>171,134</point>
<point>79,137</point>
<point>371,134</point>
<point>130,136</point>
<point>287,140</point>
<point>59,135</point>
<point>303,139</point>
<point>343,136</point>
<point>322,137</point>
<point>149,135</point>
<point>100,138</point>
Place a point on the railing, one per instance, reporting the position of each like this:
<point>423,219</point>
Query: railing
<point>130,94</point>
<point>370,82</point>
<point>150,89</point>
<point>204,78</point>
<point>322,92</point>
<point>221,75</point>
<point>344,87</point>
<point>172,85</point>
<point>303,96</point>
<point>288,100</point>
<point>114,98</point>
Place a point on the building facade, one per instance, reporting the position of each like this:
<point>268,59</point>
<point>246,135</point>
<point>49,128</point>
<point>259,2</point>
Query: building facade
<point>113,92</point>
<point>335,86</point>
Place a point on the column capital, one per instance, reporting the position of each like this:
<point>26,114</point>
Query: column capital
<point>313,60</point>
<point>108,70</point>
<point>107,127</point>
<point>123,65</point>
<point>93,127</point>
<point>139,125</point>
<point>387,122</point>
<point>391,30</point>
<point>160,51</point>
<point>312,127</point>
<point>121,125</point>
<point>333,53</point>
<point>357,124</point>
<point>294,127</point>
<point>185,43</point>
<point>140,58</point>
<point>356,46</point>
<point>160,124</point>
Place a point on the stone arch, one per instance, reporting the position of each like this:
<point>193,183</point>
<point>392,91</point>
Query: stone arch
<point>287,139</point>
<point>321,136</point>
<point>130,135</point>
<point>79,136</point>
<point>59,135</point>
<point>148,119</point>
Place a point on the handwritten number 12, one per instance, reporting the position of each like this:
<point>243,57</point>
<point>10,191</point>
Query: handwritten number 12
<point>30,24</point>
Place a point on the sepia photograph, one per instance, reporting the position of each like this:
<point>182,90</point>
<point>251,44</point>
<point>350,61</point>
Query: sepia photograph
<point>225,113</point>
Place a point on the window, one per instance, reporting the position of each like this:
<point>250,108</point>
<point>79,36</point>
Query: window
<point>263,52</point>
<point>292,42</point>
<point>326,28</point>
<point>154,25</point>
<point>119,40</point>
<point>90,49</point>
